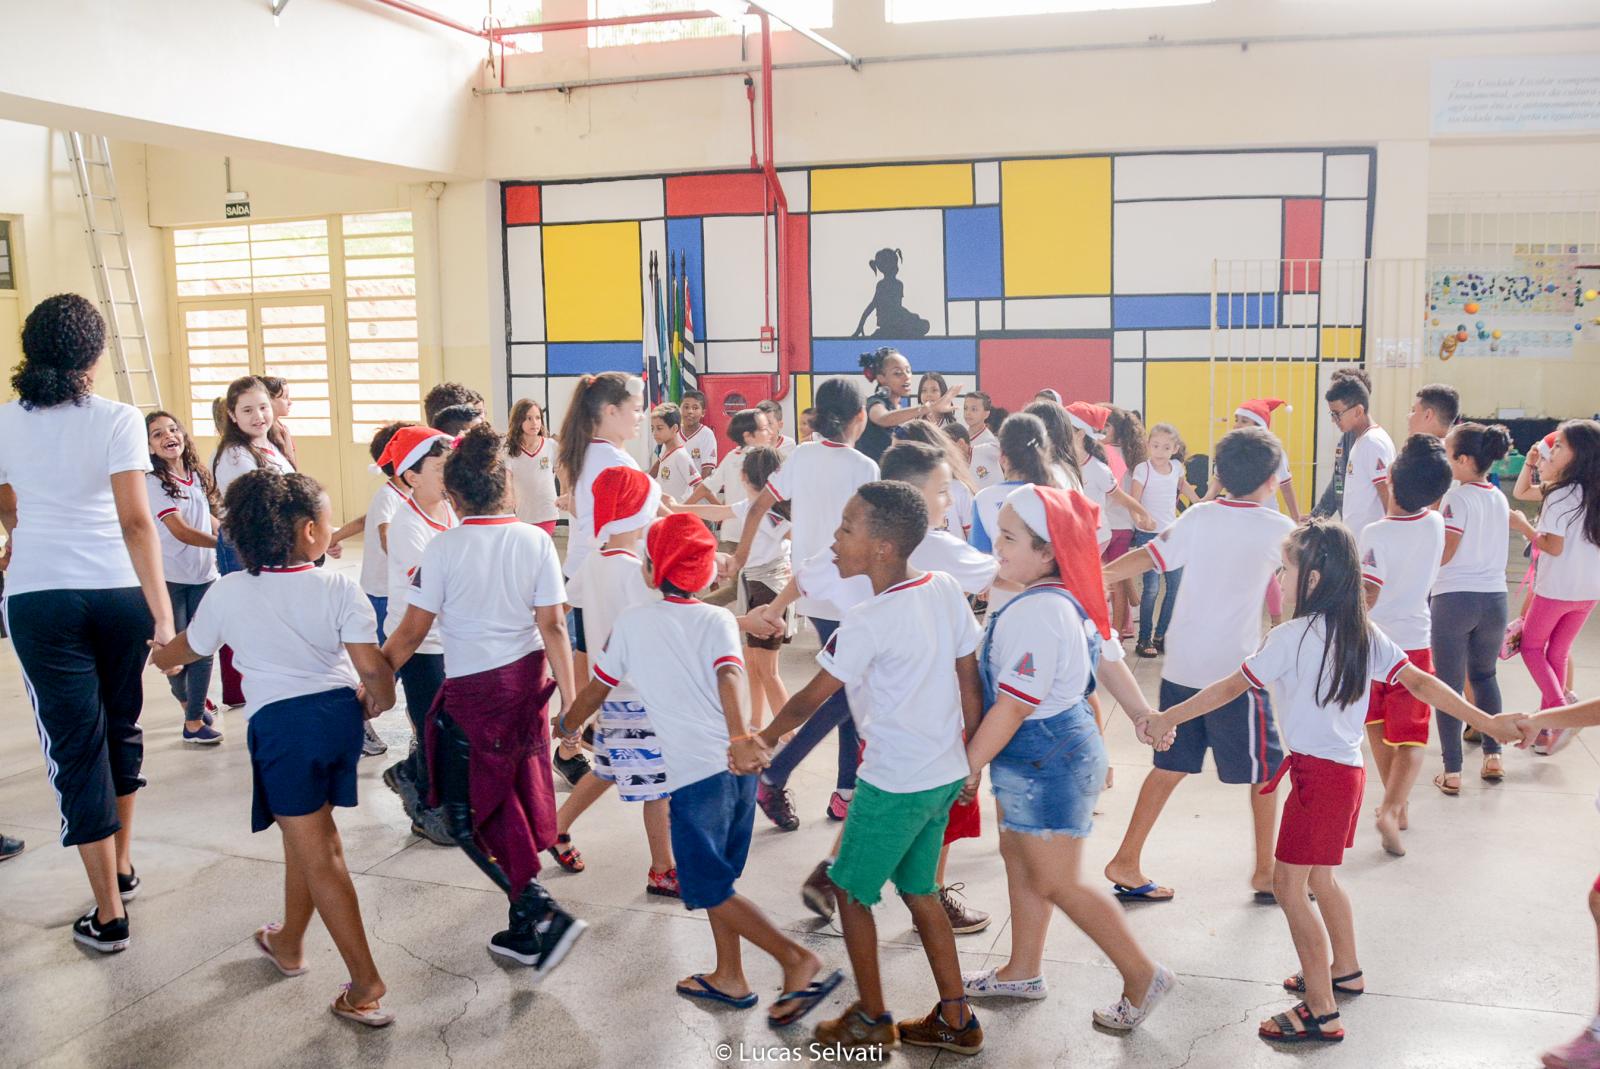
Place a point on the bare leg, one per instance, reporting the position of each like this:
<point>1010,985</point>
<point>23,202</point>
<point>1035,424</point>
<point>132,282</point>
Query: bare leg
<point>288,943</point>
<point>585,793</point>
<point>313,841</point>
<point>1125,867</point>
<point>100,863</point>
<point>938,873</point>
<point>124,836</point>
<point>939,944</point>
<point>1340,920</point>
<point>1310,938</point>
<point>1264,819</point>
<point>756,685</point>
<point>739,918</point>
<point>580,672</point>
<point>658,832</point>
<point>1030,912</point>
<point>1382,755</point>
<point>1405,764</point>
<point>728,977</point>
<point>861,943</point>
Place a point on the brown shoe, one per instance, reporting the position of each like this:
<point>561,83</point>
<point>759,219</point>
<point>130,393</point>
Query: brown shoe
<point>932,1031</point>
<point>856,1031</point>
<point>964,920</point>
<point>818,892</point>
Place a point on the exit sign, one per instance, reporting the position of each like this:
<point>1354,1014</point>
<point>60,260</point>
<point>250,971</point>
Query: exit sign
<point>236,206</point>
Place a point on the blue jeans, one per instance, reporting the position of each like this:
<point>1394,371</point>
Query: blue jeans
<point>381,607</point>
<point>1147,596</point>
<point>833,713</point>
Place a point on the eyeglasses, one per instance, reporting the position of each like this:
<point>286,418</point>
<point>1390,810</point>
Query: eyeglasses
<point>1337,414</point>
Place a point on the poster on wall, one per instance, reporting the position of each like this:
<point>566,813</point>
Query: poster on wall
<point>1515,95</point>
<point>1531,307</point>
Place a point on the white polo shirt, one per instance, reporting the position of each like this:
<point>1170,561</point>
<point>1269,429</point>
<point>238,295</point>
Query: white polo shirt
<point>1573,574</point>
<point>986,463</point>
<point>410,532</point>
<point>374,559</point>
<point>287,628</point>
<point>958,520</point>
<point>818,480</point>
<point>986,508</point>
<point>896,656</point>
<point>939,551</point>
<point>727,482</point>
<point>1480,514</point>
<point>611,581</point>
<point>1158,493</point>
<point>784,445</point>
<point>702,445</point>
<point>677,474</point>
<point>1040,652</point>
<point>1229,550</point>
<point>1400,555</point>
<point>599,456</point>
<point>1367,468</point>
<point>236,460</point>
<point>1291,662</point>
<point>1098,482</point>
<point>182,562</point>
<point>984,437</point>
<point>670,650</point>
<point>771,541</point>
<point>533,475</point>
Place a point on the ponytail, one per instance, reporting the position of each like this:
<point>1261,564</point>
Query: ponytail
<point>1024,449</point>
<point>837,402</point>
<point>1482,445</point>
<point>475,472</point>
<point>593,394</point>
<point>1058,439</point>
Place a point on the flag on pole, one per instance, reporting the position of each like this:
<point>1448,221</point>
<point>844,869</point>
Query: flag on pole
<point>654,378</point>
<point>674,335</point>
<point>689,368</point>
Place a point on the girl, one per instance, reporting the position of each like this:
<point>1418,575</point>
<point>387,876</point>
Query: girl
<point>677,473</point>
<point>531,459</point>
<point>1324,662</point>
<point>1024,459</point>
<point>281,402</point>
<point>1566,584</point>
<point>182,499</point>
<point>84,590</point>
<point>1088,423</point>
<point>307,641</point>
<point>1039,659</point>
<point>891,373</point>
<point>1468,608</point>
<point>1059,444</point>
<point>957,518</point>
<point>1125,450</point>
<point>494,587</point>
<point>1159,483</point>
<point>931,389</point>
<point>374,527</point>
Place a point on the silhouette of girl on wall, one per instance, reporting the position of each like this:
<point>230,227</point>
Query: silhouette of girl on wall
<point>888,301</point>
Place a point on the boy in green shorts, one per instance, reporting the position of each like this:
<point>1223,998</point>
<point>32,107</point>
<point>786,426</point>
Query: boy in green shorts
<point>906,658</point>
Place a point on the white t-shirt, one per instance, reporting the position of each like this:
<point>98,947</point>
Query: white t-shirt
<point>533,475</point>
<point>677,474</point>
<point>1400,554</point>
<point>771,542</point>
<point>482,580</point>
<point>597,457</point>
<point>784,445</point>
<point>1040,652</point>
<point>727,482</point>
<point>986,463</point>
<point>60,460</point>
<point>1292,658</point>
<point>1479,513</point>
<point>958,520</point>
<point>410,532</point>
<point>670,651</point>
<point>702,446</point>
<point>986,514</point>
<point>611,581</point>
<point>896,656</point>
<point>818,480</point>
<point>287,627</point>
<point>182,562</point>
<point>1158,493</point>
<point>235,460</point>
<point>939,551</point>
<point>1366,469</point>
<point>374,561</point>
<point>1228,550</point>
<point>1098,482</point>
<point>1573,574</point>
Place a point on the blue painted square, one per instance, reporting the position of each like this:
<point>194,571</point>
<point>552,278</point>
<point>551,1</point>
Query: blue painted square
<point>842,356</point>
<point>1179,311</point>
<point>686,244</point>
<point>972,262</point>
<point>1247,310</point>
<point>591,358</point>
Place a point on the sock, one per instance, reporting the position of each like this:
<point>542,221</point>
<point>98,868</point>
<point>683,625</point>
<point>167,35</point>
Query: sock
<point>846,793</point>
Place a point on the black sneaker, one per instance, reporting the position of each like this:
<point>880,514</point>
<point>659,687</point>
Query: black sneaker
<point>572,768</point>
<point>128,886</point>
<point>776,803</point>
<point>431,825</point>
<point>1160,643</point>
<point>544,946</point>
<point>107,938</point>
<point>9,847</point>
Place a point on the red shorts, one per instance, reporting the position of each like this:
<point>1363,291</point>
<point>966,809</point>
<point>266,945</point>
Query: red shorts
<point>965,822</point>
<point>1404,718</point>
<point>547,526</point>
<point>1321,812</point>
<point>1121,542</point>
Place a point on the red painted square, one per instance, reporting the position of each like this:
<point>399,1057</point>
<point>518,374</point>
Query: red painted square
<point>794,331</point>
<point>1302,240</point>
<point>522,205</point>
<point>716,194</point>
<point>1013,370</point>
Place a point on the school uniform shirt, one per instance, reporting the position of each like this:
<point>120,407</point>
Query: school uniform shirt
<point>895,655</point>
<point>1158,493</point>
<point>597,457</point>
<point>677,474</point>
<point>410,532</point>
<point>533,475</point>
<point>374,561</point>
<point>958,518</point>
<point>727,482</point>
<point>986,463</point>
<point>670,650</point>
<point>1400,555</point>
<point>771,541</point>
<point>483,579</point>
<point>1573,574</point>
<point>986,508</point>
<point>60,461</point>
<point>784,445</point>
<point>702,446</point>
<point>1367,469</point>
<point>235,460</point>
<point>985,437</point>
<point>939,551</point>
<point>181,562</point>
<point>287,628</point>
<point>818,481</point>
<point>1479,513</point>
<point>610,582</point>
<point>1291,661</point>
<point>1098,483</point>
<point>1229,550</point>
<point>1040,653</point>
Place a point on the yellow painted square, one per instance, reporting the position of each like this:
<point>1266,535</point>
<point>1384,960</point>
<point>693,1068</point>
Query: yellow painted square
<point>1341,343</point>
<point>1180,392</point>
<point>925,185</point>
<point>591,282</point>
<point>1056,226</point>
<point>802,401</point>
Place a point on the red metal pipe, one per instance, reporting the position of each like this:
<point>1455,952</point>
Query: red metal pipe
<point>775,187</point>
<point>432,16</point>
<point>586,24</point>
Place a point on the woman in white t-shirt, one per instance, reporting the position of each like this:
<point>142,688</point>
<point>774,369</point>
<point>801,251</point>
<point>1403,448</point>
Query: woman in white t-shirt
<point>84,591</point>
<point>531,460</point>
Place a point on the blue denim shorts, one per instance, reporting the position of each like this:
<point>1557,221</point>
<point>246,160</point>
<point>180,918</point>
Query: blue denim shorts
<point>711,822</point>
<point>1050,774</point>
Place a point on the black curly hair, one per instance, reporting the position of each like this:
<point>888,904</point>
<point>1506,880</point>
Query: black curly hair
<point>475,472</point>
<point>62,340</point>
<point>264,510</point>
<point>1420,474</point>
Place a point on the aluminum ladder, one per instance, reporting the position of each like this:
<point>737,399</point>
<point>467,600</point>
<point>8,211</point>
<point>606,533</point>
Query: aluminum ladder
<point>118,290</point>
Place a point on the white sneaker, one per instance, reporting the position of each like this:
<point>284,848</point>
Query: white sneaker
<point>1124,1016</point>
<point>987,985</point>
<point>372,744</point>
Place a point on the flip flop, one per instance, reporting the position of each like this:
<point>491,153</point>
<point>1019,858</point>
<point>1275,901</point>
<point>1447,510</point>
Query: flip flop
<point>1267,898</point>
<point>266,949</point>
<point>711,994</point>
<point>1143,893</point>
<point>808,997</point>
<point>374,1017</point>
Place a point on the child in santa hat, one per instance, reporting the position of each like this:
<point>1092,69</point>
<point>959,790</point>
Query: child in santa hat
<point>1099,485</point>
<point>1257,412</point>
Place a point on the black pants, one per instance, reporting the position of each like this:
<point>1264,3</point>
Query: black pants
<point>82,652</point>
<point>420,678</point>
<point>190,685</point>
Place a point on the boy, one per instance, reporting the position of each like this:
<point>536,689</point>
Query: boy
<point>808,430</point>
<point>975,409</point>
<point>748,429</point>
<point>679,476</point>
<point>1257,412</point>
<point>1400,557</point>
<point>1237,546</point>
<point>907,657</point>
<point>455,420</point>
<point>682,656</point>
<point>1434,411</point>
<point>774,413</point>
<point>1366,473</point>
<point>699,439</point>
<point>447,394</point>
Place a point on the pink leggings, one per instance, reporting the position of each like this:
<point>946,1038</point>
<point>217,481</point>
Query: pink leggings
<point>1548,631</point>
<point>1274,597</point>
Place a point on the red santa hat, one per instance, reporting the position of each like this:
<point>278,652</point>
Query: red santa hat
<point>1089,418</point>
<point>683,552</point>
<point>409,445</point>
<point>1258,410</point>
<point>625,499</point>
<point>1069,522</point>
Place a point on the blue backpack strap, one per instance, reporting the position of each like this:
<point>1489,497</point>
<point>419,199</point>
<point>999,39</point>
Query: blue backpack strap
<point>986,676</point>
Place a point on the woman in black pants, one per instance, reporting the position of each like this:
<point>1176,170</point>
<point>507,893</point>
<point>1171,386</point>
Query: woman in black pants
<point>85,592</point>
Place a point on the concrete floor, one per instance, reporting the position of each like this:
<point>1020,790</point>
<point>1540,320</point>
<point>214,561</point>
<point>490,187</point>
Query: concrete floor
<point>1478,946</point>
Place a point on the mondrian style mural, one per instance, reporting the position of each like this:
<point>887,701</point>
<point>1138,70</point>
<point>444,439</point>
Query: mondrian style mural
<point>1092,274</point>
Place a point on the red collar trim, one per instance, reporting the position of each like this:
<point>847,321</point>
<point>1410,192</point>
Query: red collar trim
<point>536,452</point>
<point>618,553</point>
<point>306,567</point>
<point>908,584</point>
<point>1231,503</point>
<point>403,495</point>
<point>676,600</point>
<point>1048,584</point>
<point>834,445</point>
<point>486,521</point>
<point>1408,519</point>
<point>187,482</point>
<point>598,441</point>
<point>1481,485</point>
<point>429,520</point>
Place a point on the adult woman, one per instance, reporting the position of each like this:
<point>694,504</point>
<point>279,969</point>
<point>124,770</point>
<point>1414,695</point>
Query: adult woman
<point>890,372</point>
<point>85,591</point>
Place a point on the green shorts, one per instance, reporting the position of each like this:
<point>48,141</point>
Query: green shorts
<point>892,837</point>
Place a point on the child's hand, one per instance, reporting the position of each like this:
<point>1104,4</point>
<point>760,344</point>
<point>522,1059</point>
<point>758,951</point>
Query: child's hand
<point>1157,732</point>
<point>335,550</point>
<point>1528,730</point>
<point>1507,727</point>
<point>969,789</point>
<point>748,755</point>
<point>564,503</point>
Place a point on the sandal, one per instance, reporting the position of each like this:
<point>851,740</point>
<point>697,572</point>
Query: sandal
<point>1442,781</point>
<point>1145,892</point>
<point>1297,984</point>
<point>370,1015</point>
<point>1493,770</point>
<point>263,945</point>
<point>566,854</point>
<point>806,999</point>
<point>1300,1025</point>
<point>1147,649</point>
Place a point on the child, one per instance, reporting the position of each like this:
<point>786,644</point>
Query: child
<point>889,406</point>
<point>907,657</point>
<point>1039,660</point>
<point>1024,458</point>
<point>930,388</point>
<point>1400,557</point>
<point>307,645</point>
<point>182,499</point>
<point>774,414</point>
<point>808,429</point>
<point>1126,448</point>
<point>626,752</point>
<point>493,586</point>
<point>748,429</point>
<point>1099,485</point>
<point>1323,661</point>
<point>531,459</point>
<point>1236,545</point>
<point>1468,609</point>
<point>278,388</point>
<point>683,657</point>
<point>678,474</point>
<point>975,409</point>
<point>957,517</point>
<point>1257,412</point>
<point>1566,584</point>
<point>1366,477</point>
<point>446,395</point>
<point>1434,410</point>
<point>456,420</point>
<point>699,439</point>
<point>1060,443</point>
<point>1159,484</point>
<point>374,527</point>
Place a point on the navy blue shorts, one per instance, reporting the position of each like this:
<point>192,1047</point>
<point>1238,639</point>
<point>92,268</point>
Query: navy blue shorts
<point>711,824</point>
<point>381,607</point>
<point>304,753</point>
<point>1242,737</point>
<point>575,631</point>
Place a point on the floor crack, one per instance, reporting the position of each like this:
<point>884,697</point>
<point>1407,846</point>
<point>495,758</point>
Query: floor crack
<point>444,1039</point>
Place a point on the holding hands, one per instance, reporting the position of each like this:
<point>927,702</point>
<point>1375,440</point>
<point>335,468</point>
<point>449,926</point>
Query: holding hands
<point>748,754</point>
<point>1155,730</point>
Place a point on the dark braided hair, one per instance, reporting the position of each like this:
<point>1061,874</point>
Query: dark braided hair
<point>1323,548</point>
<point>475,472</point>
<point>264,512</point>
<point>62,340</point>
<point>190,458</point>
